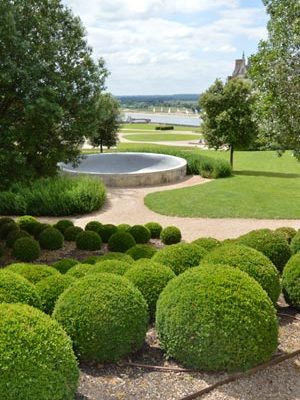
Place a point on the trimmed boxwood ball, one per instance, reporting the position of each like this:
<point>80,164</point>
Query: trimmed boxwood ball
<point>271,244</point>
<point>49,290</point>
<point>106,231</point>
<point>291,281</point>
<point>64,265</point>
<point>120,242</point>
<point>170,235</point>
<point>33,272</point>
<point>63,224</point>
<point>71,233</point>
<point>5,229</point>
<point>88,240</point>
<point>79,270</point>
<point>15,288</point>
<point>123,227</point>
<point>141,251</point>
<point>5,220</point>
<point>14,235</point>
<point>27,223</point>
<point>140,233</point>
<point>26,249</point>
<point>251,261</point>
<point>208,243</point>
<point>295,243</point>
<point>118,267</point>
<point>105,316</point>
<point>37,360</point>
<point>288,232</point>
<point>114,255</point>
<point>217,319</point>
<point>180,256</point>
<point>155,229</point>
<point>150,279</point>
<point>51,239</point>
<point>38,229</point>
<point>94,226</point>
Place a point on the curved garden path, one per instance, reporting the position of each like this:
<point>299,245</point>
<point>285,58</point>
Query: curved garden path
<point>126,205</point>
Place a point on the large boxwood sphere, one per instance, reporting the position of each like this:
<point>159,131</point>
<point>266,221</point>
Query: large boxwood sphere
<point>141,251</point>
<point>51,239</point>
<point>118,267</point>
<point>140,233</point>
<point>64,264</point>
<point>63,224</point>
<point>155,229</point>
<point>26,249</point>
<point>88,240</point>
<point>6,228</point>
<point>78,271</point>
<point>94,226</point>
<point>105,315</point>
<point>14,235</point>
<point>38,229</point>
<point>28,223</point>
<point>106,231</point>
<point>15,288</point>
<point>49,289</point>
<point>120,242</point>
<point>37,361</point>
<point>180,256</point>
<point>291,281</point>
<point>208,243</point>
<point>33,272</point>
<point>170,235</point>
<point>271,244</point>
<point>217,319</point>
<point>71,233</point>
<point>150,279</point>
<point>251,261</point>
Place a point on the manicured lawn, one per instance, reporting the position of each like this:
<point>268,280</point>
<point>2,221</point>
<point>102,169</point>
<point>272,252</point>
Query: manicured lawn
<point>264,186</point>
<point>161,137</point>
<point>151,127</point>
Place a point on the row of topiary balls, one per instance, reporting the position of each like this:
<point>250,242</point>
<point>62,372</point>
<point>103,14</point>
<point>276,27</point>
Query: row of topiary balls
<point>27,236</point>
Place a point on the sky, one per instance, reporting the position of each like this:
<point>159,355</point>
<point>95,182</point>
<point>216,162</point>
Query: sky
<point>170,46</point>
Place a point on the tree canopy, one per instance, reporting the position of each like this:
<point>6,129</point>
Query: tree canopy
<point>227,114</point>
<point>275,72</point>
<point>48,86</point>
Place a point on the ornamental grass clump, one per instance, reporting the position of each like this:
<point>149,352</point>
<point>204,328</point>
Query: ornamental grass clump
<point>291,281</point>
<point>120,242</point>
<point>251,261</point>
<point>150,279</point>
<point>15,288</point>
<point>170,235</point>
<point>141,251</point>
<point>33,272</point>
<point>37,360</point>
<point>217,319</point>
<point>88,240</point>
<point>140,233</point>
<point>26,249</point>
<point>51,239</point>
<point>105,316</point>
<point>180,256</point>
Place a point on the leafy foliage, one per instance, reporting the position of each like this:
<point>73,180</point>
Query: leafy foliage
<point>208,243</point>
<point>78,270</point>
<point>113,255</point>
<point>155,229</point>
<point>71,233</point>
<point>291,281</point>
<point>141,251</point>
<point>51,239</point>
<point>64,265</point>
<point>121,242</point>
<point>118,267</point>
<point>32,272</point>
<point>26,249</point>
<point>88,240</point>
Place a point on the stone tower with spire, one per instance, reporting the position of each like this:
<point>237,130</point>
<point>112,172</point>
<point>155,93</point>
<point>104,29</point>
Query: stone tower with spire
<point>240,69</point>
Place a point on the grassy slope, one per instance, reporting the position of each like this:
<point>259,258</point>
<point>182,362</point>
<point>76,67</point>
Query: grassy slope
<point>161,137</point>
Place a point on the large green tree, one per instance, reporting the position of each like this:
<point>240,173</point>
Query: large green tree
<point>48,86</point>
<point>108,116</point>
<point>275,72</point>
<point>227,115</point>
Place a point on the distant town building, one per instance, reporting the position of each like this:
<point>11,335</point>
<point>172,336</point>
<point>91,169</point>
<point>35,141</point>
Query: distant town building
<point>241,68</point>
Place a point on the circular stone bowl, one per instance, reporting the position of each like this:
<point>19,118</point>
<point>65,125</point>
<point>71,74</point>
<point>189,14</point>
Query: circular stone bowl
<point>130,169</point>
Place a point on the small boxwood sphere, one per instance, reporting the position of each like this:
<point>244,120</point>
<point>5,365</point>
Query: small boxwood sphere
<point>155,229</point>
<point>63,224</point>
<point>106,231</point>
<point>140,233</point>
<point>71,233</point>
<point>141,251</point>
<point>33,272</point>
<point>150,279</point>
<point>208,243</point>
<point>79,270</point>
<point>37,360</point>
<point>288,232</point>
<point>251,261</point>
<point>295,243</point>
<point>105,316</point>
<point>64,265</point>
<point>217,319</point>
<point>49,289</point>
<point>27,223</point>
<point>51,239</point>
<point>26,249</point>
<point>271,244</point>
<point>14,235</point>
<point>15,288</point>
<point>180,256</point>
<point>120,242</point>
<point>114,255</point>
<point>38,229</point>
<point>5,229</point>
<point>94,226</point>
<point>118,267</point>
<point>123,227</point>
<point>88,240</point>
<point>291,281</point>
<point>170,235</point>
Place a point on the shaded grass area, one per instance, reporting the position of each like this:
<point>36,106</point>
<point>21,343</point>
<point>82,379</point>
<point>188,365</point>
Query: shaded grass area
<point>161,137</point>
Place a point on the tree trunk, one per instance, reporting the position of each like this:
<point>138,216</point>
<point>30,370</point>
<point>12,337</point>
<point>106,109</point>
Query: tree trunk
<point>231,155</point>
<point>101,146</point>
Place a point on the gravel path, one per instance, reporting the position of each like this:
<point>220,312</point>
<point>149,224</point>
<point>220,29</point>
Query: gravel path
<point>126,205</point>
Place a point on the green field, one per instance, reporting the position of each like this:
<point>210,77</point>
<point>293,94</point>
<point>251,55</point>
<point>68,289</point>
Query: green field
<point>151,127</point>
<point>161,137</point>
<point>263,186</point>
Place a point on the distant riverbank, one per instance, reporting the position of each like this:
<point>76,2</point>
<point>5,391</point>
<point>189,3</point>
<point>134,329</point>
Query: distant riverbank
<point>161,118</point>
